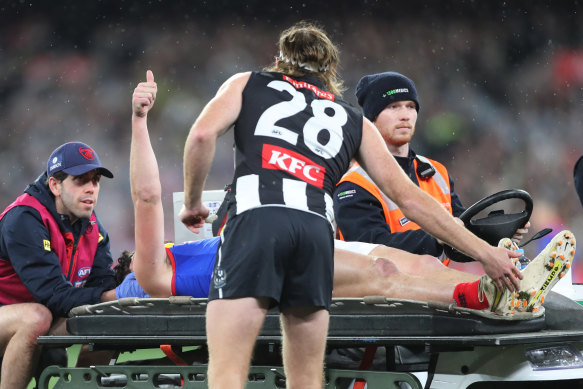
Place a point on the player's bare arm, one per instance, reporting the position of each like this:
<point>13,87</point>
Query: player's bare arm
<point>428,213</point>
<point>215,119</point>
<point>150,255</point>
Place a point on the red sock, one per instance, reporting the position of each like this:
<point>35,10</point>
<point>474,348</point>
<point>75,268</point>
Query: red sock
<point>466,295</point>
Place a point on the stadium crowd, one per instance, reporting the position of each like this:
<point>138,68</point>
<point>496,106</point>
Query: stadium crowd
<point>501,87</point>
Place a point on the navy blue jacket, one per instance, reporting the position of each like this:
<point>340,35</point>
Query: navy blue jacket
<point>22,232</point>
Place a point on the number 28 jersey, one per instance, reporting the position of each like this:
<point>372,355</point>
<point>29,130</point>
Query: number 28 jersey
<point>293,142</point>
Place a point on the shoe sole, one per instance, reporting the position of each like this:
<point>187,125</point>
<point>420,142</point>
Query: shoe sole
<point>543,272</point>
<point>502,307</point>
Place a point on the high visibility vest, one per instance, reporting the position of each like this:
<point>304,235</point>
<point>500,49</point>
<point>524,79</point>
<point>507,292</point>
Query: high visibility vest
<point>437,186</point>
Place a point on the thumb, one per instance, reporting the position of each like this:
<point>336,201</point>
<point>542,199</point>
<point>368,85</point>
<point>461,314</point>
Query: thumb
<point>149,76</point>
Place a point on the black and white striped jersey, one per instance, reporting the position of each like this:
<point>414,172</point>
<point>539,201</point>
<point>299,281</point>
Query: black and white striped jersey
<point>293,142</point>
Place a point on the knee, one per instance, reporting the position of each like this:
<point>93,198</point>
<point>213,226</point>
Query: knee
<point>386,277</point>
<point>385,267</point>
<point>36,320</point>
<point>427,264</point>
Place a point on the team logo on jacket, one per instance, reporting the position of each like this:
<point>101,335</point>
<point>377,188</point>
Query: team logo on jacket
<point>83,272</point>
<point>299,166</point>
<point>346,194</point>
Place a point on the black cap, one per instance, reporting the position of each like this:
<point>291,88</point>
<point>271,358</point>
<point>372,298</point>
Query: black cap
<point>376,91</point>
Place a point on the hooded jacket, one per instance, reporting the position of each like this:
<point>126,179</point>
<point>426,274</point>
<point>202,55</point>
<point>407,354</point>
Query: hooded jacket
<point>36,264</point>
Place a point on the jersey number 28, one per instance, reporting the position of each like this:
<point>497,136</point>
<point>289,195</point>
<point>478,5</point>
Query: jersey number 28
<point>320,121</point>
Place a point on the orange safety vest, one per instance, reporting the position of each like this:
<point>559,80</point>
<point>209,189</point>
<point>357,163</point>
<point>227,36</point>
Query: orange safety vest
<point>436,186</point>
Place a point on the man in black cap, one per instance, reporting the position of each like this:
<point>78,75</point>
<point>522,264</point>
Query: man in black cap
<point>54,255</point>
<point>362,212</point>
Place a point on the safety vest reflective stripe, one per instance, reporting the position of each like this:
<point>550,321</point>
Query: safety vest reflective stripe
<point>436,186</point>
<point>441,176</point>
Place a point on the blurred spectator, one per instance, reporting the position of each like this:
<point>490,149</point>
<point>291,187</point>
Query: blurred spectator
<point>505,73</point>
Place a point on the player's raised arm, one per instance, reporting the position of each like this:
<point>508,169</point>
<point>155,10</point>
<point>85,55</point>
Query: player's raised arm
<point>428,213</point>
<point>149,264</point>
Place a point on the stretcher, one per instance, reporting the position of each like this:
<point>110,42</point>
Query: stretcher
<point>418,344</point>
<point>458,348</point>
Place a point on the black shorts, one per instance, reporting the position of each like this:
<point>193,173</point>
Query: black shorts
<point>275,252</point>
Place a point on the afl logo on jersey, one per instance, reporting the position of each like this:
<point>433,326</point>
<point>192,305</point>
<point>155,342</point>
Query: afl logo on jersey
<point>84,272</point>
<point>279,158</point>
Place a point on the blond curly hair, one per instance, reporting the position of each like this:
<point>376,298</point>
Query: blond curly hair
<point>304,49</point>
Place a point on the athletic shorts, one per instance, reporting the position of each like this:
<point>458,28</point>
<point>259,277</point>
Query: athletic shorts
<point>283,254</point>
<point>355,247</point>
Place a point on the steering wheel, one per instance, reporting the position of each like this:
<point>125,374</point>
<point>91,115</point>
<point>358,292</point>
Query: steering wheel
<point>496,225</point>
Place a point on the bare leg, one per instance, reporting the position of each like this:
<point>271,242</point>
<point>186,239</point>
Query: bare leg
<point>467,267</point>
<point>20,326</point>
<point>232,327</point>
<point>423,265</point>
<point>304,343</point>
<point>357,275</point>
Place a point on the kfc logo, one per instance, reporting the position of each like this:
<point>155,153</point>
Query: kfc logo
<point>296,164</point>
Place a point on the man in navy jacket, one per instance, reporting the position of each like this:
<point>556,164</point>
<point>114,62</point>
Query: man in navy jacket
<point>54,255</point>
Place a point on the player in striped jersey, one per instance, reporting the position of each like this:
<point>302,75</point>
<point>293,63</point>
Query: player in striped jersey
<point>294,139</point>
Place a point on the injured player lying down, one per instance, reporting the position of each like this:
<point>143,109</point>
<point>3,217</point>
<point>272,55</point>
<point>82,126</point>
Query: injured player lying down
<point>186,269</point>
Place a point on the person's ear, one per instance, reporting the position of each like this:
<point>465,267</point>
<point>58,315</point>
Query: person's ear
<point>54,186</point>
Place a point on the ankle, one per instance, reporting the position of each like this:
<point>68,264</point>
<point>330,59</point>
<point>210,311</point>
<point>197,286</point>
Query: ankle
<point>467,295</point>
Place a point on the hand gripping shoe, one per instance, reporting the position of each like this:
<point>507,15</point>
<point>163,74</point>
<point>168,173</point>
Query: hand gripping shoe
<point>500,302</point>
<point>543,272</point>
<point>539,277</point>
